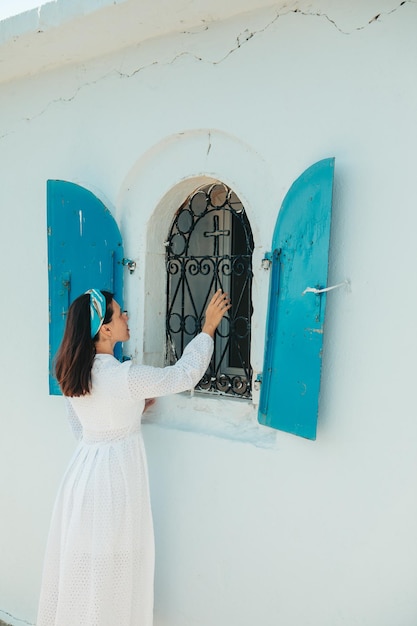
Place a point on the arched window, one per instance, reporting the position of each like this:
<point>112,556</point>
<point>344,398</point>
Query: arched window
<point>209,247</point>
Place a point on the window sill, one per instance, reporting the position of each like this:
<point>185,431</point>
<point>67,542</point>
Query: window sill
<point>212,415</point>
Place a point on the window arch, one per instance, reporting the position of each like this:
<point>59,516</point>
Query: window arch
<point>210,246</point>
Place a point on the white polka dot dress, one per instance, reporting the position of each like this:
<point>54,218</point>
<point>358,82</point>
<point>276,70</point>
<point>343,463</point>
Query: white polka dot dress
<point>99,563</point>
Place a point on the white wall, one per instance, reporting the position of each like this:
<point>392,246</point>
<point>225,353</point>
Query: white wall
<point>252,526</point>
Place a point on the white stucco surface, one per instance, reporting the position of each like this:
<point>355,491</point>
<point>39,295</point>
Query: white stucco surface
<point>253,526</point>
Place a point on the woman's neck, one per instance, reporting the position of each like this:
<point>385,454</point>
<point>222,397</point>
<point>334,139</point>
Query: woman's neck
<point>104,347</point>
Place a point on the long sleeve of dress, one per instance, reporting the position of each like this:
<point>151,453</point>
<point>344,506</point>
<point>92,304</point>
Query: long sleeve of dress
<point>74,422</point>
<point>149,382</point>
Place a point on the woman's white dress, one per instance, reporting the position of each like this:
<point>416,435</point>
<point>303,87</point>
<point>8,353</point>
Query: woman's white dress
<point>99,563</point>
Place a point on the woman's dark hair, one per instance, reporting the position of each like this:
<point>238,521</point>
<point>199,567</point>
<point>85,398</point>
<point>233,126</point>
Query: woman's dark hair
<point>74,359</point>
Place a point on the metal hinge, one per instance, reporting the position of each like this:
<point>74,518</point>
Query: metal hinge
<point>131,265</point>
<point>267,260</point>
<point>258,381</point>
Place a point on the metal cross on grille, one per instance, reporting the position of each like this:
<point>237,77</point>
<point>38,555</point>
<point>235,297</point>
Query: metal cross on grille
<point>216,233</point>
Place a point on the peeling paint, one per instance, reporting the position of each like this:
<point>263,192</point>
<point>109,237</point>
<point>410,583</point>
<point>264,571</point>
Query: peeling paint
<point>80,214</point>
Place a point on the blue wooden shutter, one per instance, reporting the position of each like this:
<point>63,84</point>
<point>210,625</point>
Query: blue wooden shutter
<point>85,250</point>
<point>294,337</point>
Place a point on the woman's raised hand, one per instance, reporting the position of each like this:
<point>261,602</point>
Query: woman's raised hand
<point>216,308</point>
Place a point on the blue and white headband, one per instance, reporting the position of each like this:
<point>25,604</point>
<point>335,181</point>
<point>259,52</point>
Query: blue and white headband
<point>97,310</point>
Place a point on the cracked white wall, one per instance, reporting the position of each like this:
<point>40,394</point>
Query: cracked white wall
<point>252,526</point>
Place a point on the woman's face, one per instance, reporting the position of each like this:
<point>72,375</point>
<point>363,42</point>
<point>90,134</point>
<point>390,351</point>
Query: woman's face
<point>118,324</point>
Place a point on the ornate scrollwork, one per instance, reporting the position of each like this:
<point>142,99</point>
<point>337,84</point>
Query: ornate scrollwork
<point>240,265</point>
<point>209,246</point>
<point>173,266</point>
<point>225,266</point>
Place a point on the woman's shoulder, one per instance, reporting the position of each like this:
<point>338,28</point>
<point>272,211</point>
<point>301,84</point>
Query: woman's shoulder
<point>109,375</point>
<point>107,362</point>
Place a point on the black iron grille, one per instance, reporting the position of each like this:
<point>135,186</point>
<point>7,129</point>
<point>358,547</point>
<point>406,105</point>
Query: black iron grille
<point>209,247</point>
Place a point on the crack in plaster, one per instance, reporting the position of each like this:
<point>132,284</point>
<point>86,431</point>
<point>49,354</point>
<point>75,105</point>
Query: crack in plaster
<point>243,38</point>
<point>358,28</point>
<point>6,614</point>
<point>76,92</point>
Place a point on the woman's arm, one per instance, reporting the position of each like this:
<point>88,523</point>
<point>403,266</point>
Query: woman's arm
<point>73,420</point>
<point>145,381</point>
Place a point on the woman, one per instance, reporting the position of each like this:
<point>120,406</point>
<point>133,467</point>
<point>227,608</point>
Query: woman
<point>99,560</point>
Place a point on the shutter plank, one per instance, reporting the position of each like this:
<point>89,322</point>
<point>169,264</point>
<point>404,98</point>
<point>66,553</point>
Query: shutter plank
<point>85,250</point>
<point>294,337</point>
